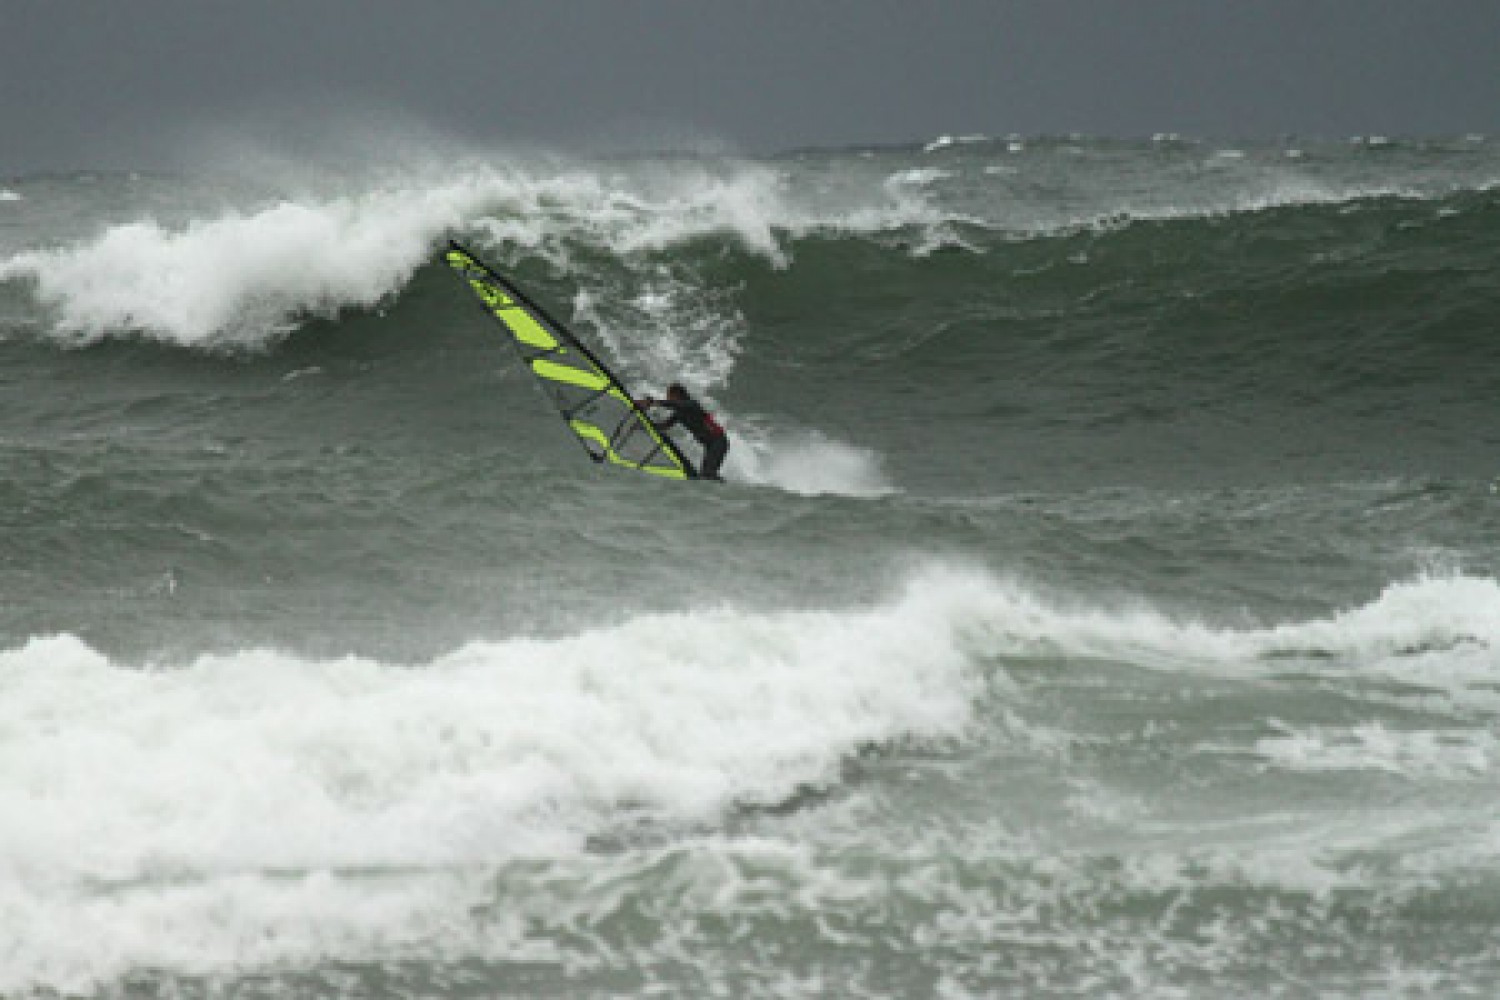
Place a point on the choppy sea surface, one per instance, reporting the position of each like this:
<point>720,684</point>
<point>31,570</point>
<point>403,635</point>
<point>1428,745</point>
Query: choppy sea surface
<point>1105,601</point>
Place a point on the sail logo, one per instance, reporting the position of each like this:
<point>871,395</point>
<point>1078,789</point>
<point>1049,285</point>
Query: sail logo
<point>487,292</point>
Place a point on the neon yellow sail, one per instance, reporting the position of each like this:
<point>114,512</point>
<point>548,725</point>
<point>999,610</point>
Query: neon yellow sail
<point>593,402</point>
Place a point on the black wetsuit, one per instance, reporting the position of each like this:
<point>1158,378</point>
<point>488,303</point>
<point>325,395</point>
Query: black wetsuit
<point>701,425</point>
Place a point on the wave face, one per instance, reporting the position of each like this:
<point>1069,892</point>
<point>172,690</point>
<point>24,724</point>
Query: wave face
<point>1105,601</point>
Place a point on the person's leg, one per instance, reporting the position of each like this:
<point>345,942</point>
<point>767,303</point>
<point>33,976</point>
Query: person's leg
<point>713,457</point>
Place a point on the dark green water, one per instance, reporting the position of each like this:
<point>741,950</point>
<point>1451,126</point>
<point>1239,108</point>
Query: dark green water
<point>1104,603</point>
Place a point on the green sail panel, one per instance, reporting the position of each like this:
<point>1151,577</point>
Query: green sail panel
<point>594,404</point>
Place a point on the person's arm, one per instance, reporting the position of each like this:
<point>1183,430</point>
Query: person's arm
<point>646,402</point>
<point>675,407</point>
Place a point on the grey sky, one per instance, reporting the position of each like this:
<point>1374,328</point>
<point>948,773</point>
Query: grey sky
<point>110,83</point>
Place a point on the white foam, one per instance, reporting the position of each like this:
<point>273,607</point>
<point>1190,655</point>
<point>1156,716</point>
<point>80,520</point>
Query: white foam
<point>670,330</point>
<point>807,462</point>
<point>8,195</point>
<point>1262,194</point>
<point>1420,755</point>
<point>918,177</point>
<point>1437,631</point>
<point>148,812</point>
<point>243,278</point>
<point>537,743</point>
<point>247,276</point>
<point>945,141</point>
<point>260,809</point>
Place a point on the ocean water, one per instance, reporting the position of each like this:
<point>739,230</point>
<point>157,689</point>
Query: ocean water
<point>1105,601</point>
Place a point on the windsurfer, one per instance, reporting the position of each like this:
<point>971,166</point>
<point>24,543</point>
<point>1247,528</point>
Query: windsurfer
<point>690,413</point>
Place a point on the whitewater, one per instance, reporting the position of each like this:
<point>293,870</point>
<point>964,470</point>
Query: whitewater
<point>1105,600</point>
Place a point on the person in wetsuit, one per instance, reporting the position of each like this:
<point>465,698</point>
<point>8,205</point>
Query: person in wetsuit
<point>701,424</point>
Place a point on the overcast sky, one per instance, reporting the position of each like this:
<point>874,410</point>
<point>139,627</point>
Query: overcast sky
<point>114,83</point>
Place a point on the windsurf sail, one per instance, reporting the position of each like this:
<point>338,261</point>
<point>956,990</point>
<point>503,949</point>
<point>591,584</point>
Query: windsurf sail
<point>594,403</point>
